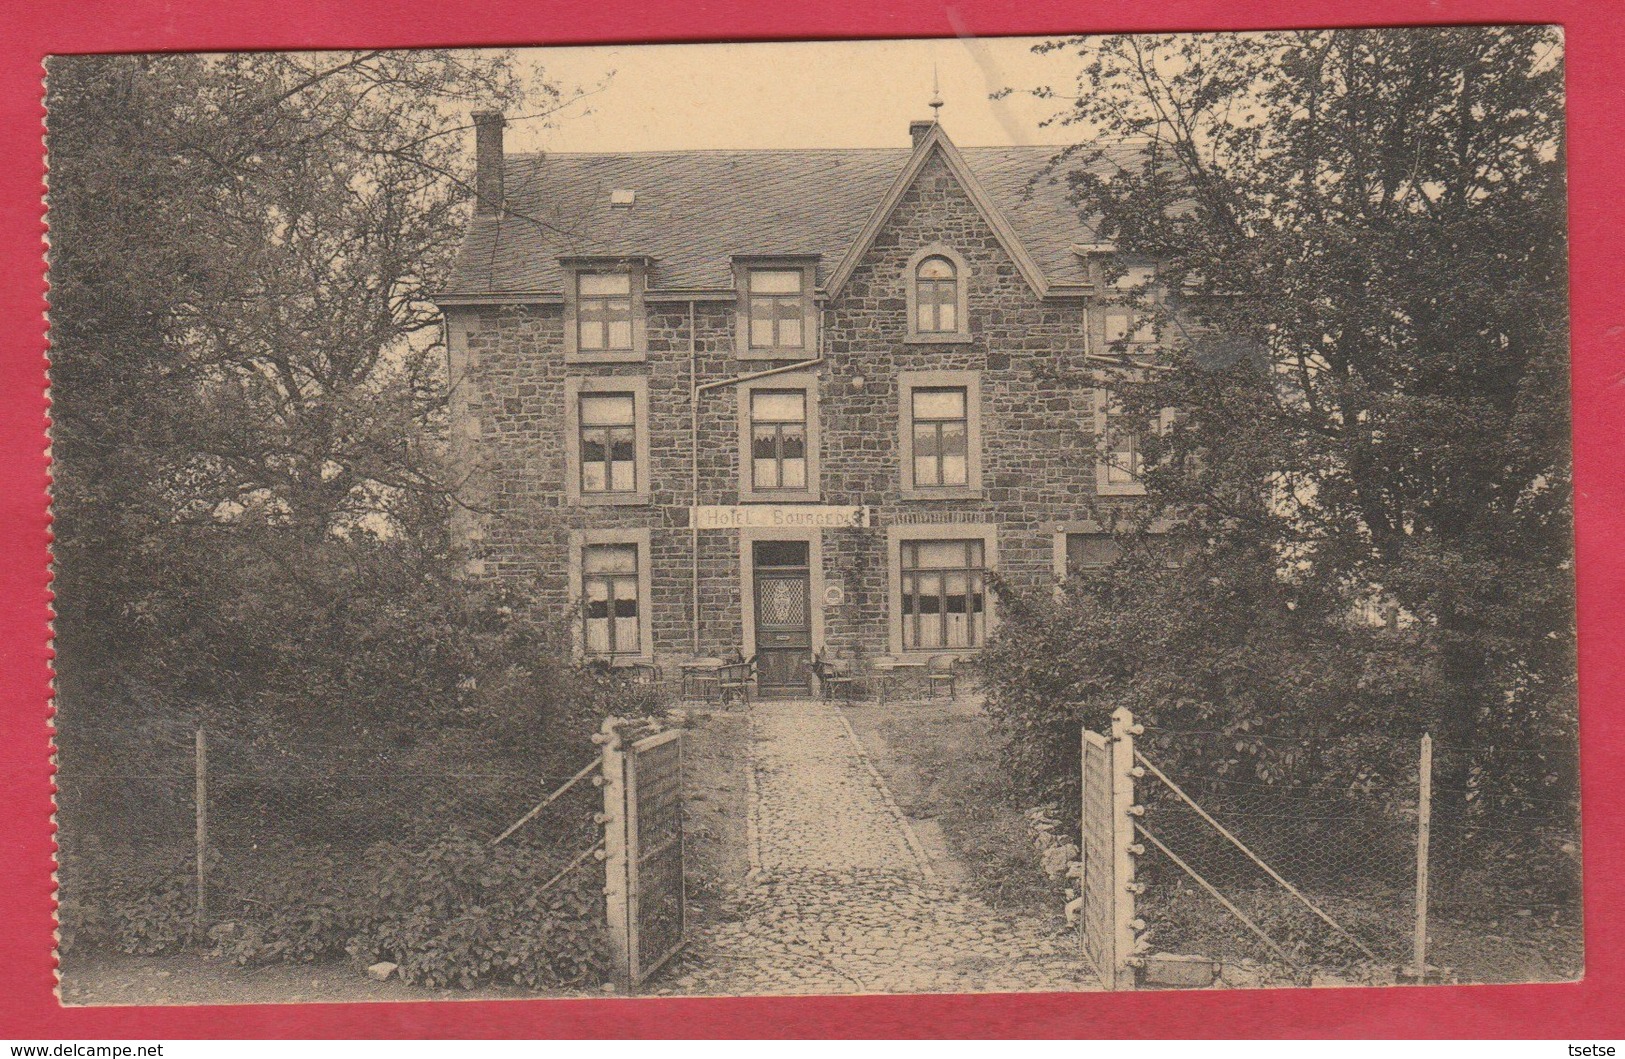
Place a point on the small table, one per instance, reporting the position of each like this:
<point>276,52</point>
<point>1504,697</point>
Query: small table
<point>699,674</point>
<point>887,670</point>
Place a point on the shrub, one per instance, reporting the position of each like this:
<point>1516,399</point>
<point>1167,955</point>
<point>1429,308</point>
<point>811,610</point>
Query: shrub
<point>456,911</point>
<point>1281,692</point>
<point>371,724</point>
<point>461,912</point>
<point>142,906</point>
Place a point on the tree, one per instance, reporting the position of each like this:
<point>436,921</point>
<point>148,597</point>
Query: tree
<point>246,368</point>
<point>1360,240</point>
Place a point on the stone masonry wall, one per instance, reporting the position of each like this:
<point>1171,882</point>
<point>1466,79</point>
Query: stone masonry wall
<point>1038,447</point>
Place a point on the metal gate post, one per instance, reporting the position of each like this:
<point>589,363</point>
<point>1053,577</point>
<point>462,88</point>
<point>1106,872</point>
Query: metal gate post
<point>617,896</point>
<point>1124,810</point>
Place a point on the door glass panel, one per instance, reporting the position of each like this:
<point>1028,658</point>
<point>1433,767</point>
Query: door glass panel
<point>781,553</point>
<point>782,602</point>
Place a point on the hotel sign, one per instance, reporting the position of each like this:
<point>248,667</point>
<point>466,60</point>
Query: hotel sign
<point>777,516</point>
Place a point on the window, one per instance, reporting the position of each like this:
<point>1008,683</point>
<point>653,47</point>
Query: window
<point>1090,551</point>
<point>936,297</point>
<point>1122,449</point>
<point>778,439</point>
<point>940,417</point>
<point>1081,546</point>
<point>610,587</point>
<point>1086,545</point>
<point>608,443</point>
<point>610,601</point>
<point>1135,277</point>
<point>778,442</point>
<point>941,436</point>
<point>1121,461</point>
<point>777,320</point>
<point>943,594</point>
<point>1118,321</point>
<point>777,313</point>
<point>606,424</point>
<point>935,282</point>
<point>604,312</point>
<point>603,309</point>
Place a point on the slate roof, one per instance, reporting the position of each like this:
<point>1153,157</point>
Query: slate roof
<point>695,210</point>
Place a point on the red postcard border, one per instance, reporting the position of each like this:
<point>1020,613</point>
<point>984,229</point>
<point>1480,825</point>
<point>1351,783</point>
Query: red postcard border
<point>28,1007</point>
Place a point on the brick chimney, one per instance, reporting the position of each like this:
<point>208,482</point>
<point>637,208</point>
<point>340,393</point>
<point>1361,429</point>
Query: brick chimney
<point>488,125</point>
<point>919,130</point>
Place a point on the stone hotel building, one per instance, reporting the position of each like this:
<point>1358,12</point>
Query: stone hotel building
<point>783,401</point>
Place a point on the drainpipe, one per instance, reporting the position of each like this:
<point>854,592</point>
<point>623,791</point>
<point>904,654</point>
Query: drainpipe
<point>694,481</point>
<point>695,388</point>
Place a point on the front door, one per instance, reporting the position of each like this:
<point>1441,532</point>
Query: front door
<point>783,615</point>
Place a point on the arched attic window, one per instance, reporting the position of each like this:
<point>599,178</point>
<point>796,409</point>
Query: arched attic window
<point>936,298</point>
<point>936,290</point>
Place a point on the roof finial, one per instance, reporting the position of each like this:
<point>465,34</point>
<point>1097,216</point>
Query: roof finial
<point>936,95</point>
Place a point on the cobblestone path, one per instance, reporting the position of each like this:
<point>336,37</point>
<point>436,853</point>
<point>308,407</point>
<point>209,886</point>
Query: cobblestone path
<point>841,897</point>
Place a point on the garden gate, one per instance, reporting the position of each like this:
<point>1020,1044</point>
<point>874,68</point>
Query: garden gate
<point>643,847</point>
<point>1110,939</point>
<point>1117,832</point>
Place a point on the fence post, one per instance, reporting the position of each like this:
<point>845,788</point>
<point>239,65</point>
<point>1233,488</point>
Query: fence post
<point>201,798</point>
<point>1123,813</point>
<point>616,898</point>
<point>1424,824</point>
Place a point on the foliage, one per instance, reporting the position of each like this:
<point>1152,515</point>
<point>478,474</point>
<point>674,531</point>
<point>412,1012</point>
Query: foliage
<point>453,911</point>
<point>1359,241</point>
<point>1215,645</point>
<point>461,912</point>
<point>137,904</point>
<point>246,368</point>
<point>251,509</point>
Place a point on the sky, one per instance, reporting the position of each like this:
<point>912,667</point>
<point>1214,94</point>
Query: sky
<point>786,95</point>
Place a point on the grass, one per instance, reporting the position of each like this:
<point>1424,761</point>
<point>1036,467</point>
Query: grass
<point>940,760</point>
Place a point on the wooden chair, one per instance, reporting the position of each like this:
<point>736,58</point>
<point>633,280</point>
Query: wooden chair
<point>883,668</point>
<point>835,678</point>
<point>734,681</point>
<point>642,672</point>
<point>942,670</point>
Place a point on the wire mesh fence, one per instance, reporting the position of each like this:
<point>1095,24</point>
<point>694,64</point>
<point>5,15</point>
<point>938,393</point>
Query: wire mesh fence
<point>1322,878</point>
<point>285,824</point>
